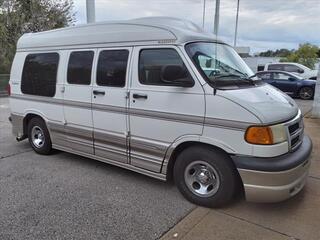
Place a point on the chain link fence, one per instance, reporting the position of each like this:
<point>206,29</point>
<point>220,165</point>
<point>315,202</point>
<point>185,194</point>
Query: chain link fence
<point>4,79</point>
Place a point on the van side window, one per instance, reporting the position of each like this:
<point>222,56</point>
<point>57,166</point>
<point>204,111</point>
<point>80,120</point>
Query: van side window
<point>112,68</point>
<point>162,67</point>
<point>39,74</point>
<point>80,67</point>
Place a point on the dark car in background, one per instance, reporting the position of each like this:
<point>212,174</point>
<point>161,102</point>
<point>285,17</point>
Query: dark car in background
<point>289,83</point>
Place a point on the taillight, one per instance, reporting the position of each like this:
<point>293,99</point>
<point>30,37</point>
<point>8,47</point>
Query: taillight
<point>8,88</point>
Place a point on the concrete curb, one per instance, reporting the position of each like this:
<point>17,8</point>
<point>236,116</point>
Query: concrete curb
<point>185,225</point>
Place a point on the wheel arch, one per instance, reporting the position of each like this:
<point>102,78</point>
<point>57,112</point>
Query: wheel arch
<point>189,141</point>
<point>28,116</point>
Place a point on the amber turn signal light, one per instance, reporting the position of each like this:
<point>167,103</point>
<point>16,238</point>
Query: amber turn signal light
<point>259,135</point>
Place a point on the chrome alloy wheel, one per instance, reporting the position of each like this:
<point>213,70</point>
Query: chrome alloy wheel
<point>306,93</point>
<point>202,179</point>
<point>37,137</point>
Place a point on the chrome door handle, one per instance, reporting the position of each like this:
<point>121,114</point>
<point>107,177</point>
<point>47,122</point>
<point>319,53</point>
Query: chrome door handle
<point>137,95</point>
<point>96,92</point>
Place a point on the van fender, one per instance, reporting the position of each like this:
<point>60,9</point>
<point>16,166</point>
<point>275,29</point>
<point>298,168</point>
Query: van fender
<point>193,139</point>
<point>35,112</point>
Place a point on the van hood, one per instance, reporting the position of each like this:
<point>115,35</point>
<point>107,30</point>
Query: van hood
<point>266,102</point>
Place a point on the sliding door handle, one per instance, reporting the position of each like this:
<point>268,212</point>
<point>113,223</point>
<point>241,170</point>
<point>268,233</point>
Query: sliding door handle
<point>137,95</point>
<point>96,92</point>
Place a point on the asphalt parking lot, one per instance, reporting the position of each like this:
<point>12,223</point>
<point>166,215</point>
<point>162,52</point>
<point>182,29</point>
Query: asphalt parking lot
<point>64,196</point>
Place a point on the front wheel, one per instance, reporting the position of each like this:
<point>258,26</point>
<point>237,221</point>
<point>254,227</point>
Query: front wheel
<point>39,137</point>
<point>205,176</point>
<point>306,93</point>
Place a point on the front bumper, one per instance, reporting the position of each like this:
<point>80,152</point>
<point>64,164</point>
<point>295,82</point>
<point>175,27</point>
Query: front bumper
<point>275,179</point>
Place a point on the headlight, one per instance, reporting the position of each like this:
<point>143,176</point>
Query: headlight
<point>266,135</point>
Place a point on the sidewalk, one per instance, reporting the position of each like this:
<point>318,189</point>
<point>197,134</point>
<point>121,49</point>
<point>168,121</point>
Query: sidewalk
<point>296,218</point>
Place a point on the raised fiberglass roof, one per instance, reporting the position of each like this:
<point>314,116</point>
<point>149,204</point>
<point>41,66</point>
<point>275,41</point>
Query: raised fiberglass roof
<point>151,30</point>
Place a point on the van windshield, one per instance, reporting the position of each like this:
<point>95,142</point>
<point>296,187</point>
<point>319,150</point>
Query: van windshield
<point>220,64</point>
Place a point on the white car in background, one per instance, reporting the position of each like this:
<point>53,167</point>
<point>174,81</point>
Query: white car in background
<point>297,68</point>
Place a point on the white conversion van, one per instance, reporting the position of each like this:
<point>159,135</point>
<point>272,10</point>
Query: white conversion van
<point>159,97</point>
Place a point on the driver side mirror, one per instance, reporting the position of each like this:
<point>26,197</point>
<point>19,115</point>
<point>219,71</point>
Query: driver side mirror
<point>176,75</point>
<point>300,70</point>
<point>292,79</point>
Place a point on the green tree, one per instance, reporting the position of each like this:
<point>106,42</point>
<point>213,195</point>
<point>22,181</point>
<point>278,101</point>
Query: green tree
<point>306,54</point>
<point>277,53</point>
<point>23,16</point>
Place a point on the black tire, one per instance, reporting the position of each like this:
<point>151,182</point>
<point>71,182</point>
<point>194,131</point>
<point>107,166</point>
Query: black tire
<point>306,93</point>
<point>223,166</point>
<point>46,147</point>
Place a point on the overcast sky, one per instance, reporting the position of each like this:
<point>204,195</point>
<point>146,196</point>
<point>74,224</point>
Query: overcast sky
<point>263,24</point>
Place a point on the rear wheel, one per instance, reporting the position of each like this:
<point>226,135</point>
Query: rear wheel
<point>306,93</point>
<point>39,137</point>
<point>205,176</point>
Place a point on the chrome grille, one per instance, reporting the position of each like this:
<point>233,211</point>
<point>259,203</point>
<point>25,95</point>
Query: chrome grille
<point>295,131</point>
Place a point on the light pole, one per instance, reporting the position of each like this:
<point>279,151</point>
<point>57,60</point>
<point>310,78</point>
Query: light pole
<point>91,15</point>
<point>316,100</point>
<point>216,18</point>
<point>204,13</point>
<point>236,29</point>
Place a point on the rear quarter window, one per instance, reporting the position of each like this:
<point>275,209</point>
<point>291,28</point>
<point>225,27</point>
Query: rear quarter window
<point>39,74</point>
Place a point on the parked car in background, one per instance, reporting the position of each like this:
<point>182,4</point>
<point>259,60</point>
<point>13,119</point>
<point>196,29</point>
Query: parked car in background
<point>290,83</point>
<point>296,68</point>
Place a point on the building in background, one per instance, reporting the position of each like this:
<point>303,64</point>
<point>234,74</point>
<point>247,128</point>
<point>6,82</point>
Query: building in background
<point>244,52</point>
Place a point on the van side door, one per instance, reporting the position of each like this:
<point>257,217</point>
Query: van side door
<point>77,101</point>
<point>109,104</point>
<point>166,102</point>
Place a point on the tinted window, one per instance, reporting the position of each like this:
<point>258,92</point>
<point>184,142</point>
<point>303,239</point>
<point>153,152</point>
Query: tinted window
<point>281,76</point>
<point>275,67</point>
<point>260,68</point>
<point>264,76</point>
<point>39,75</point>
<point>112,68</point>
<point>291,68</point>
<point>162,67</point>
<point>80,67</point>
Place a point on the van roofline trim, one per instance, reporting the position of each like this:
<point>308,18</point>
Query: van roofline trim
<point>154,30</point>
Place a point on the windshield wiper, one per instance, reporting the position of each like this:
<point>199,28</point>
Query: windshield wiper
<point>230,75</point>
<point>235,79</point>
